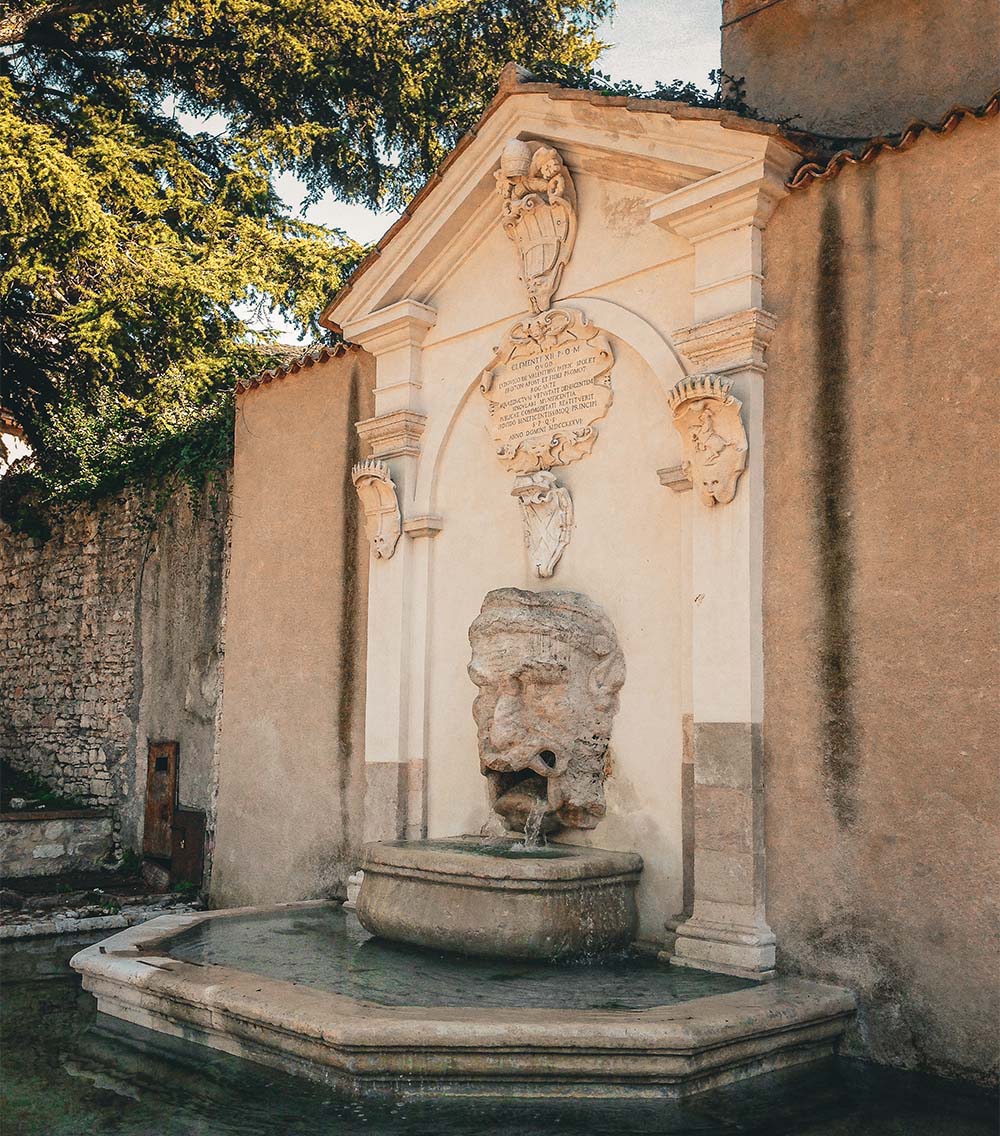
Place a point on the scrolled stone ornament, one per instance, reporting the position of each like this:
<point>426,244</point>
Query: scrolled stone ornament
<point>538,215</point>
<point>547,513</point>
<point>547,386</point>
<point>707,417</point>
<point>377,491</point>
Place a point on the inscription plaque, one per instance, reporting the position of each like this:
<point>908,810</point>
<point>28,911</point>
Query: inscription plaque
<point>547,385</point>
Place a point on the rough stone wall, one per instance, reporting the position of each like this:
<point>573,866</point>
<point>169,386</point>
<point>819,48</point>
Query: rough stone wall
<point>112,634</point>
<point>47,844</point>
<point>291,756</point>
<point>861,67</point>
<point>66,680</point>
<point>881,531</point>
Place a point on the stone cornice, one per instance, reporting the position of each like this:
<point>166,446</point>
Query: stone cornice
<point>423,526</point>
<point>674,477</point>
<point>404,324</point>
<point>728,343</point>
<point>743,195</point>
<point>393,435</point>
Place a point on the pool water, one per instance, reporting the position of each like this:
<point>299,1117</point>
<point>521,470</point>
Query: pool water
<point>67,1071</point>
<point>327,948</point>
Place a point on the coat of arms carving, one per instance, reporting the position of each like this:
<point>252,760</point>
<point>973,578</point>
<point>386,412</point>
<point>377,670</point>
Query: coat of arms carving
<point>373,482</point>
<point>707,417</point>
<point>539,215</point>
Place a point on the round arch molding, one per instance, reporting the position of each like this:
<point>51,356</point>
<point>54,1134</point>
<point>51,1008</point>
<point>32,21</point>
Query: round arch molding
<point>656,349</point>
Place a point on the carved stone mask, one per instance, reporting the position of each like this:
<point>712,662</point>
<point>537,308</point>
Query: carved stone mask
<point>549,668</point>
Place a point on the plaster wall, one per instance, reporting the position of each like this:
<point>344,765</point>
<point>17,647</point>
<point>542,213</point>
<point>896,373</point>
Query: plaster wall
<point>291,750</point>
<point>857,68</point>
<point>178,650</point>
<point>627,543</point>
<point>881,531</point>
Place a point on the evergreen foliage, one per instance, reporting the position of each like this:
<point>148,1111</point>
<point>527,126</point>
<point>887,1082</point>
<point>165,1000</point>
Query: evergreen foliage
<point>132,248</point>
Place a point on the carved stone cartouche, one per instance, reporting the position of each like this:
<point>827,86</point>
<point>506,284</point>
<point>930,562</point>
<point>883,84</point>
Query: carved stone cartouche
<point>538,215</point>
<point>547,385</point>
<point>547,512</point>
<point>707,417</point>
<point>377,491</point>
<point>549,669</point>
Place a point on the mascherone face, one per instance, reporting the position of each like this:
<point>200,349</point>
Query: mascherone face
<point>534,702</point>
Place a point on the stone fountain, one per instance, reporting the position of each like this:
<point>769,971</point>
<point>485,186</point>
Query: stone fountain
<point>548,668</point>
<point>382,1017</point>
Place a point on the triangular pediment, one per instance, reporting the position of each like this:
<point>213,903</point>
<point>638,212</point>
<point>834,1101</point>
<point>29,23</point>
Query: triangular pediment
<point>661,149</point>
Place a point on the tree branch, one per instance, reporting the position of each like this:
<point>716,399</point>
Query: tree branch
<point>15,24</point>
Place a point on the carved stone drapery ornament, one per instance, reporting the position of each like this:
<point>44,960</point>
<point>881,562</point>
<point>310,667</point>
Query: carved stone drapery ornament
<point>539,215</point>
<point>547,385</point>
<point>547,512</point>
<point>707,417</point>
<point>373,481</point>
<point>549,668</point>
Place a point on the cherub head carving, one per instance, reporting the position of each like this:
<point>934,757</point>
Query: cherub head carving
<point>549,669</point>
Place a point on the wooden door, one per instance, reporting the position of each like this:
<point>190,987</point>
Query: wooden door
<point>187,858</point>
<point>161,798</point>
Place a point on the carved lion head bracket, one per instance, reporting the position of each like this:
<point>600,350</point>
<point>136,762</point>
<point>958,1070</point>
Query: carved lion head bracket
<point>707,417</point>
<point>539,215</point>
<point>377,491</point>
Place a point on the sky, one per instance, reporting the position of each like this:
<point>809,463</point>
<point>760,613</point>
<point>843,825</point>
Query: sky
<point>648,40</point>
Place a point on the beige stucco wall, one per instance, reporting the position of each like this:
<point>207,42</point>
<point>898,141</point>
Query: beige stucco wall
<point>627,543</point>
<point>290,792</point>
<point>860,67</point>
<point>178,643</point>
<point>881,531</point>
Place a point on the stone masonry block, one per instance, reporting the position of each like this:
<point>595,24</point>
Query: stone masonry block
<point>727,754</point>
<point>723,819</point>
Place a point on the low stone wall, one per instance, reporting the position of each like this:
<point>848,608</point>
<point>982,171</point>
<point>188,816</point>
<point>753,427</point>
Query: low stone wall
<point>46,843</point>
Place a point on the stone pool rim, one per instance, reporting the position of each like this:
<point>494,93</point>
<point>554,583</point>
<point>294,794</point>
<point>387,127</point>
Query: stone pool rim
<point>670,1050</point>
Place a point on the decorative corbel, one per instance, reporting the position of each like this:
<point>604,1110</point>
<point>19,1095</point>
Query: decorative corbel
<point>707,417</point>
<point>373,481</point>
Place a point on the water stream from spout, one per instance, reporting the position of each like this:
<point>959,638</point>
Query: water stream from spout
<point>533,835</point>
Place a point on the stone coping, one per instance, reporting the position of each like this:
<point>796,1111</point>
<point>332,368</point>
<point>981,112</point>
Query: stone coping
<point>669,1050</point>
<point>54,814</point>
<point>574,862</point>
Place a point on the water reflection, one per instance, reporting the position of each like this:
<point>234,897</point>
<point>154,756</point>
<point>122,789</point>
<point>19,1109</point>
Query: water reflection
<point>328,949</point>
<point>68,1072</point>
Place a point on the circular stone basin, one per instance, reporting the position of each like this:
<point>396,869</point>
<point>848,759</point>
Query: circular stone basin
<point>478,896</point>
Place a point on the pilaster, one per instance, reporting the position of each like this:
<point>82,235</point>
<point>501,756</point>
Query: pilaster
<point>394,757</point>
<point>723,217</point>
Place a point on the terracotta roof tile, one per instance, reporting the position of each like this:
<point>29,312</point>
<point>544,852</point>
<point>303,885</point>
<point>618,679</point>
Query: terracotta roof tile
<point>866,152</point>
<point>301,362</point>
<point>807,144</point>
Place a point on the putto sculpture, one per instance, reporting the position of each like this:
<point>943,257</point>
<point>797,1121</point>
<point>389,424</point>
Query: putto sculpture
<point>539,215</point>
<point>707,417</point>
<point>549,669</point>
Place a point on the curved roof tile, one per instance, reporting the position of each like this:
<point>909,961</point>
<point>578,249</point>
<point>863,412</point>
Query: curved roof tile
<point>818,171</point>
<point>307,359</point>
